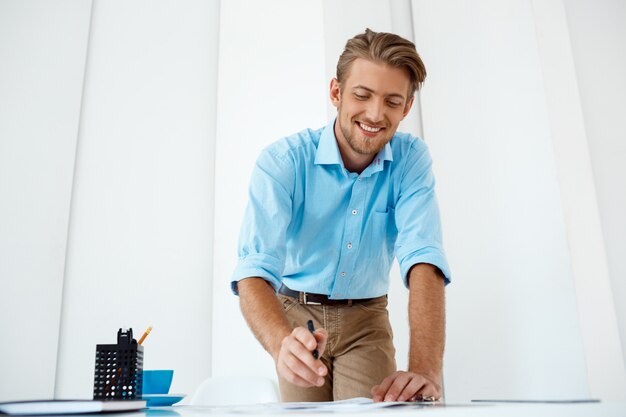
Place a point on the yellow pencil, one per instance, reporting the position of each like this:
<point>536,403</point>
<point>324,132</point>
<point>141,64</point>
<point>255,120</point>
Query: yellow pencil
<point>145,334</point>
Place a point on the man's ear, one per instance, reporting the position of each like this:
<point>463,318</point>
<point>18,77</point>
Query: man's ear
<point>408,106</point>
<point>335,92</point>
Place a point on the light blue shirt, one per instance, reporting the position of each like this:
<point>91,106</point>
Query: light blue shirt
<point>316,227</point>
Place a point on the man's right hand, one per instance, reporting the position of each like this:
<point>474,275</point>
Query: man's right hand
<point>295,361</point>
<point>293,353</point>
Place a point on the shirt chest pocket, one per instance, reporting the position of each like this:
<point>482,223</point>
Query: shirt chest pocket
<point>381,233</point>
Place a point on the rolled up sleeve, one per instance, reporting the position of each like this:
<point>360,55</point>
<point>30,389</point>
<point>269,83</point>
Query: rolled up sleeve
<point>417,216</point>
<point>262,239</point>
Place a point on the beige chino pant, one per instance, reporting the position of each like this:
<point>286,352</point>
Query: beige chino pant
<point>359,353</point>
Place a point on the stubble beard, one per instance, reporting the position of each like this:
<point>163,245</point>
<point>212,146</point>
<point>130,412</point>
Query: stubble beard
<point>364,146</point>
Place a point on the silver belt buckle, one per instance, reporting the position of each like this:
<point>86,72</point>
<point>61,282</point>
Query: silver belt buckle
<point>305,301</point>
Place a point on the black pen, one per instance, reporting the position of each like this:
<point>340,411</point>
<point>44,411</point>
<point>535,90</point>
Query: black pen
<point>312,330</point>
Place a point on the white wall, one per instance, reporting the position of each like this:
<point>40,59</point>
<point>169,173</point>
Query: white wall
<point>513,327</point>
<point>604,361</point>
<point>42,60</point>
<point>598,38</point>
<point>139,250</point>
<point>271,84</point>
<point>163,109</point>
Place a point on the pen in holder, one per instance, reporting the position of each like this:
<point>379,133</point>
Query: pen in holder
<point>119,367</point>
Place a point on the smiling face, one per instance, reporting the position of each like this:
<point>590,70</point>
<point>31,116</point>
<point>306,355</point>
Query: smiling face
<point>371,103</point>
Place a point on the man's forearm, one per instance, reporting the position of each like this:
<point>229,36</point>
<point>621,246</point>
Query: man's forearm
<point>263,313</point>
<point>427,320</point>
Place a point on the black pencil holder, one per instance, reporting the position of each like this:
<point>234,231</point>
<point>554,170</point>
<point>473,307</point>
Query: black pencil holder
<point>119,369</point>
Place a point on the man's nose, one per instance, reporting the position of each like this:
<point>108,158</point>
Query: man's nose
<point>374,111</point>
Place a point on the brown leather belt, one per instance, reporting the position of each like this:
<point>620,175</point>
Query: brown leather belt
<point>321,299</point>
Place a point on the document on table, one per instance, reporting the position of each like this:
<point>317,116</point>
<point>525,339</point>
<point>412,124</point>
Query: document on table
<point>351,405</point>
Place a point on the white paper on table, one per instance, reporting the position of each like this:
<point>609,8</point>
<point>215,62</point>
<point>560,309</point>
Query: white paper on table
<point>350,405</point>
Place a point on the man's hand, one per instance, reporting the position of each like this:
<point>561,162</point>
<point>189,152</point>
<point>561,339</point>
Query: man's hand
<point>427,323</point>
<point>295,361</point>
<point>406,386</point>
<point>292,350</point>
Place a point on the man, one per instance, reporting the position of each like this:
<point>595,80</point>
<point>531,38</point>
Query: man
<point>328,211</point>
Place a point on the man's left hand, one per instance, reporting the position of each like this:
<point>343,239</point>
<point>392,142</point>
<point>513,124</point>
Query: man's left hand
<point>406,386</point>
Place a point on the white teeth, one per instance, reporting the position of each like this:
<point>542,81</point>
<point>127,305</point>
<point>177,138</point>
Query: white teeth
<point>369,129</point>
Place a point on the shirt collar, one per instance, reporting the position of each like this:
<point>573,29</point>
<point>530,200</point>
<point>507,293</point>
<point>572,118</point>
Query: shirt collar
<point>378,163</point>
<point>328,151</point>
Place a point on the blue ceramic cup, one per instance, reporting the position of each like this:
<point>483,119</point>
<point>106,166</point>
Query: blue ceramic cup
<point>157,381</point>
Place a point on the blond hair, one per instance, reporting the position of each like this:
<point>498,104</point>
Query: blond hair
<point>386,48</point>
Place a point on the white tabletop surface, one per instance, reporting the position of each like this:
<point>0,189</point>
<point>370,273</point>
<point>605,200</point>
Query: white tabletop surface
<point>603,409</point>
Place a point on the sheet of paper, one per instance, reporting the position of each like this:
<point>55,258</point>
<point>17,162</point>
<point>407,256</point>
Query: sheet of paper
<point>351,405</point>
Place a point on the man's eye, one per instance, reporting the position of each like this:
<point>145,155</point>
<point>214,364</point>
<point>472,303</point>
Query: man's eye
<point>394,103</point>
<point>360,97</point>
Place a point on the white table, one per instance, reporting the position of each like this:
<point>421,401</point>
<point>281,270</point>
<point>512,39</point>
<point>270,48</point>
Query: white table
<point>444,410</point>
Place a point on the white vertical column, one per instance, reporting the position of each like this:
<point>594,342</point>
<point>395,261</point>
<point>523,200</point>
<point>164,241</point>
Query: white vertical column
<point>140,240</point>
<point>42,59</point>
<point>402,24</point>
<point>603,350</point>
<point>271,84</point>
<point>600,75</point>
<point>513,324</point>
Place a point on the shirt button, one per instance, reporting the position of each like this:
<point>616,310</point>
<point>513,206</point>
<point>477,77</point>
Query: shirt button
<point>343,274</point>
<point>359,178</point>
<point>354,212</point>
<point>349,245</point>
